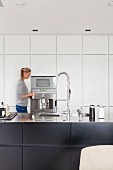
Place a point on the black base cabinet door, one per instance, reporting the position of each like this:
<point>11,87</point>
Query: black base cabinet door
<point>10,133</point>
<point>75,157</point>
<point>10,158</point>
<point>42,158</point>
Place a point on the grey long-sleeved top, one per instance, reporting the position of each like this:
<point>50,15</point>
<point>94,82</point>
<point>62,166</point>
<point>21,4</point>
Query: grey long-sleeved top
<point>21,90</point>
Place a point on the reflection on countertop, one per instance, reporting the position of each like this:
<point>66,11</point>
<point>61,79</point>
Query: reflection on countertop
<point>27,117</point>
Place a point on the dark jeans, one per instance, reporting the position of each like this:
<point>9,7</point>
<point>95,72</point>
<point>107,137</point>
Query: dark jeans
<point>21,109</point>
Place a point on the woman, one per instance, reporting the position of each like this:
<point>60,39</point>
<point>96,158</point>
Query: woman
<point>22,94</point>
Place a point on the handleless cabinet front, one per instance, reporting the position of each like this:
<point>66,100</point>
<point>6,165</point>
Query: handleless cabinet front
<point>10,133</point>
<point>10,146</point>
<point>88,134</point>
<point>46,146</point>
<point>42,158</point>
<point>46,133</point>
<point>10,158</point>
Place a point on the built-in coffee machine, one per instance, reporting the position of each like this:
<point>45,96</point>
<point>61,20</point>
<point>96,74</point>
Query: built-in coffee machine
<point>44,99</point>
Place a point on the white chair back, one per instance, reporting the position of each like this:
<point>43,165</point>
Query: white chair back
<point>97,158</point>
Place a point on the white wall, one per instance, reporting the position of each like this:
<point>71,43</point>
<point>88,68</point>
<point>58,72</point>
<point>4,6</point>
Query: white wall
<point>95,71</point>
<point>87,59</point>
<point>1,70</point>
<point>111,77</point>
<point>69,59</point>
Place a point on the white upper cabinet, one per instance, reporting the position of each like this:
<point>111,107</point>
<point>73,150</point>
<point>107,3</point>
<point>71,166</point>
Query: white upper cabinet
<point>95,44</point>
<point>111,114</point>
<point>111,80</point>
<point>43,44</point>
<point>1,79</point>
<point>69,44</point>
<point>17,44</point>
<point>72,64</point>
<point>111,45</point>
<point>95,80</point>
<point>1,44</point>
<point>43,64</point>
<point>13,65</point>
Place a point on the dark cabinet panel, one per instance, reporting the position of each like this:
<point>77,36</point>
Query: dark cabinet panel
<point>92,134</point>
<point>75,158</point>
<point>42,158</point>
<point>10,158</point>
<point>10,133</point>
<point>46,133</point>
<point>49,145</point>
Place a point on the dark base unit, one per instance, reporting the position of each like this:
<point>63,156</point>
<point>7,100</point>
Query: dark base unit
<point>10,158</point>
<point>88,134</point>
<point>42,158</point>
<point>75,157</point>
<point>49,145</point>
<point>10,149</point>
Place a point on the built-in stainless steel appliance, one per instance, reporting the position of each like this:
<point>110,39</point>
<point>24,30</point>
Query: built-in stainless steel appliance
<point>44,100</point>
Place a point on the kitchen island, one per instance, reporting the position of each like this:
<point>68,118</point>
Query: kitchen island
<point>27,144</point>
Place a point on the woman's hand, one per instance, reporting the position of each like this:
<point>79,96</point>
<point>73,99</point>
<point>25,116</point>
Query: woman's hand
<point>30,94</point>
<point>27,95</point>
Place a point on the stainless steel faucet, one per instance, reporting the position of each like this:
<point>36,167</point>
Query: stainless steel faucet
<point>68,93</point>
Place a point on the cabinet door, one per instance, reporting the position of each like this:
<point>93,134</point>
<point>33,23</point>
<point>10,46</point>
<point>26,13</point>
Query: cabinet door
<point>88,134</point>
<point>50,158</point>
<point>17,44</point>
<point>75,157</point>
<point>111,45</point>
<point>43,64</point>
<point>111,80</point>
<point>95,44</point>
<point>95,80</point>
<point>1,79</point>
<point>69,44</point>
<point>13,65</point>
<point>1,44</point>
<point>10,133</point>
<point>48,133</point>
<point>10,158</point>
<point>72,64</point>
<point>111,113</point>
<point>42,44</point>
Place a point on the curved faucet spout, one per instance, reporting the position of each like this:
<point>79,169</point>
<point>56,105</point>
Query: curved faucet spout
<point>68,90</point>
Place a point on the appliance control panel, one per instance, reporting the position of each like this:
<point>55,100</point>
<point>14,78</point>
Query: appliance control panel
<point>44,90</point>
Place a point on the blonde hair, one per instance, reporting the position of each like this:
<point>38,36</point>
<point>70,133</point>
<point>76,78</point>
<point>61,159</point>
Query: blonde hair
<point>26,70</point>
